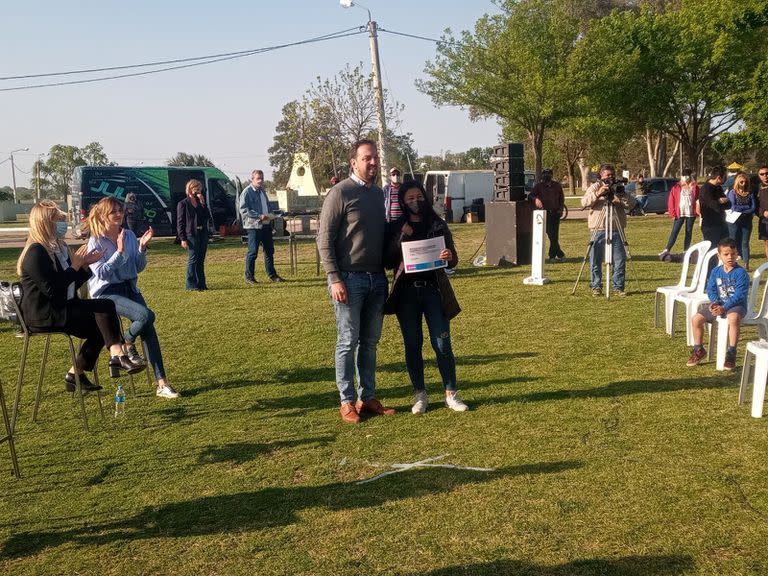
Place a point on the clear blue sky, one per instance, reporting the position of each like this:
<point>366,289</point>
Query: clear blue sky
<point>227,111</point>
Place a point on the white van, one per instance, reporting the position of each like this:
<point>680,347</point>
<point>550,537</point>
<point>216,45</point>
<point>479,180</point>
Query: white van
<point>451,190</point>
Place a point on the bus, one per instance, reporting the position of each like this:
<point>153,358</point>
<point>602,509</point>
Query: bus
<point>158,189</point>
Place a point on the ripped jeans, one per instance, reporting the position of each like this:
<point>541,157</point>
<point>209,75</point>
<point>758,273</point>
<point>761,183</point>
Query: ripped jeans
<point>413,303</point>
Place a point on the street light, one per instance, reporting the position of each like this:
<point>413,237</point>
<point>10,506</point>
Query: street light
<point>377,89</point>
<point>13,171</point>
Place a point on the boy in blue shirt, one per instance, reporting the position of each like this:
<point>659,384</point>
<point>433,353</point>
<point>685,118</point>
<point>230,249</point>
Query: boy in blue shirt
<point>727,289</point>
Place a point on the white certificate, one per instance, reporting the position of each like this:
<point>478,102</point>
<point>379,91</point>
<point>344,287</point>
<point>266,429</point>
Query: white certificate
<point>731,216</point>
<point>421,255</point>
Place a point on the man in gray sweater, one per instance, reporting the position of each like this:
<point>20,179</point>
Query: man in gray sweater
<point>350,240</point>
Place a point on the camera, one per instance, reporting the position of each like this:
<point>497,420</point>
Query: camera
<point>615,186</point>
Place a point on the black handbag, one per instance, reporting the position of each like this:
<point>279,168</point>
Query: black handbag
<point>10,292</point>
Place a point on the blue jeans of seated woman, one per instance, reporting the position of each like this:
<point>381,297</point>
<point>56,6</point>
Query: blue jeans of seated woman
<point>197,247</point>
<point>413,303</point>
<point>740,231</point>
<point>358,330</point>
<point>131,305</point>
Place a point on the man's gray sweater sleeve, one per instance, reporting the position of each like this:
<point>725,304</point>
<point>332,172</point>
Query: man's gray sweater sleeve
<point>330,220</point>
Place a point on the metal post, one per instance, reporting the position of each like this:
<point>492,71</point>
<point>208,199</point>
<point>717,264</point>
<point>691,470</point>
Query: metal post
<point>13,178</point>
<point>379,95</point>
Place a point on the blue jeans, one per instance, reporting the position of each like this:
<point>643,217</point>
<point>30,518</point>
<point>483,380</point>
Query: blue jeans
<point>263,237</point>
<point>197,247</point>
<point>358,330</point>
<point>596,261</point>
<point>413,302</point>
<point>131,305</point>
<point>740,231</point>
<point>677,224</point>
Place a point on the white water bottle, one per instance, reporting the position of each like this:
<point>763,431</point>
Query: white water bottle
<point>120,402</point>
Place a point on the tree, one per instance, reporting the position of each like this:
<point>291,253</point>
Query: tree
<point>688,63</point>
<point>332,114</point>
<point>54,176</point>
<point>184,159</point>
<point>513,67</point>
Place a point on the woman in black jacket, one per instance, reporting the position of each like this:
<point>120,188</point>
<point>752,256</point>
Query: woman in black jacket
<point>427,293</point>
<point>50,276</point>
<point>192,218</point>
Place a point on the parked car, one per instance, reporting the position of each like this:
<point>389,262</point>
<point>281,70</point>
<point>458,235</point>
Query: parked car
<point>657,191</point>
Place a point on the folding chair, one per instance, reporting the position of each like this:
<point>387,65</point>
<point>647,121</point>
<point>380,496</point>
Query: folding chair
<point>38,393</point>
<point>692,300</point>
<point>8,433</point>
<point>683,286</point>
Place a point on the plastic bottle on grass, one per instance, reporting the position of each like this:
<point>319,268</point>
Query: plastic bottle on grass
<point>120,402</point>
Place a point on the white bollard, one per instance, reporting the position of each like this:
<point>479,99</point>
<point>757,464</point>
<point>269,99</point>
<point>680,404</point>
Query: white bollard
<point>537,249</point>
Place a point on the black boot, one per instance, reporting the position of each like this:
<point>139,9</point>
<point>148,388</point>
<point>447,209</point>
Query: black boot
<point>117,363</point>
<point>87,385</point>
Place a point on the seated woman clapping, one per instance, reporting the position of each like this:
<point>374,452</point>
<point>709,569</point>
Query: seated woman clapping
<point>115,276</point>
<point>50,276</point>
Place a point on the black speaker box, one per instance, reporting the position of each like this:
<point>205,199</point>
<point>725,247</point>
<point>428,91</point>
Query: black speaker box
<point>508,227</point>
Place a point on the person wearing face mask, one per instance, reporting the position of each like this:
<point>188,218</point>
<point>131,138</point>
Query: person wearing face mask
<point>391,205</point>
<point>192,218</point>
<point>425,294</point>
<point>682,208</point>
<point>548,195</point>
<point>50,277</point>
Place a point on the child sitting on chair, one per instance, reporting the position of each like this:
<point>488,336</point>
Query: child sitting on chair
<point>727,289</point>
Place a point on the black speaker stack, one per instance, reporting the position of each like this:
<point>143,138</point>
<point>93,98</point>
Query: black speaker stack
<point>508,218</point>
<point>509,171</point>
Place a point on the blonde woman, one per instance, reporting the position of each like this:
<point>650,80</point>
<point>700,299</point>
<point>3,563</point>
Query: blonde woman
<point>192,218</point>
<point>743,202</point>
<point>115,277</point>
<point>50,276</point>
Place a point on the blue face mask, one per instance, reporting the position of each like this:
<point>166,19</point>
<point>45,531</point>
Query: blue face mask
<point>61,229</point>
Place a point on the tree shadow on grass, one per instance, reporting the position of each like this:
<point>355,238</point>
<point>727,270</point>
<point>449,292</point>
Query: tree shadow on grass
<point>625,388</point>
<point>668,565</point>
<point>219,385</point>
<point>268,507</point>
<point>241,452</point>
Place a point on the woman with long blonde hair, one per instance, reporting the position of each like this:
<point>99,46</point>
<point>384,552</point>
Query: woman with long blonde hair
<point>115,277</point>
<point>50,276</point>
<point>192,219</point>
<point>743,202</point>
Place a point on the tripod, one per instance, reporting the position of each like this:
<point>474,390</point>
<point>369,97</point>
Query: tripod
<point>608,221</point>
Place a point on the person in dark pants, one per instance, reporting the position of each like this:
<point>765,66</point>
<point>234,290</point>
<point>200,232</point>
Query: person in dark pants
<point>762,199</point>
<point>133,215</point>
<point>712,205</point>
<point>50,276</point>
<point>192,219</point>
<point>254,210</point>
<point>426,294</point>
<point>682,208</point>
<point>548,195</point>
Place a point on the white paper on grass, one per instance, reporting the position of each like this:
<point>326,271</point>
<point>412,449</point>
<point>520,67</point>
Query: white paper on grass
<point>422,255</point>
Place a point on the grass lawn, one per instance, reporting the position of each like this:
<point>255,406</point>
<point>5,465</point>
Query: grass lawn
<point>610,456</point>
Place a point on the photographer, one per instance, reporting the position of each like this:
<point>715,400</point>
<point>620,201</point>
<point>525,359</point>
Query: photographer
<point>597,196</point>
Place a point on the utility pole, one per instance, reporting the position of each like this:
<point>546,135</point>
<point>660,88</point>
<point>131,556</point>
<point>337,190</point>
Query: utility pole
<point>13,179</point>
<point>377,87</point>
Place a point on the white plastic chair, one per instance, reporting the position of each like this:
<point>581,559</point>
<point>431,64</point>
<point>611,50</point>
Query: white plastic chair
<point>755,316</point>
<point>692,300</point>
<point>755,369</point>
<point>683,286</point>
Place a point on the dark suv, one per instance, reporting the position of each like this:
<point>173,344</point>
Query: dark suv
<point>657,191</point>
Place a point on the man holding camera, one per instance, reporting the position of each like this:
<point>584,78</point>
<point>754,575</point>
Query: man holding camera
<point>597,197</point>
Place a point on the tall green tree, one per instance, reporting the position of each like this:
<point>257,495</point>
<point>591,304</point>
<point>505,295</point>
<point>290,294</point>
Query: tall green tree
<point>54,175</point>
<point>512,67</point>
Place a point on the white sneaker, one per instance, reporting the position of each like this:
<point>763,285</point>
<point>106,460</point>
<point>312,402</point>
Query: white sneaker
<point>421,403</point>
<point>454,402</point>
<point>166,392</point>
<point>663,253</point>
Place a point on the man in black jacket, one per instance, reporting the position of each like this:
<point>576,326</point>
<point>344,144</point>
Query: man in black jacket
<point>712,204</point>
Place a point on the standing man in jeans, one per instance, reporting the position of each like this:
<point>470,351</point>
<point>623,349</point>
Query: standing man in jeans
<point>254,209</point>
<point>350,240</point>
<point>548,195</point>
<point>595,198</point>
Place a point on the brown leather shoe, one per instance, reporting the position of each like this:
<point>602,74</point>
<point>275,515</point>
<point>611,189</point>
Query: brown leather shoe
<point>349,413</point>
<point>374,407</point>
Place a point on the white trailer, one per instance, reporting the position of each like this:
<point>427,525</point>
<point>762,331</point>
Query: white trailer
<point>452,190</point>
